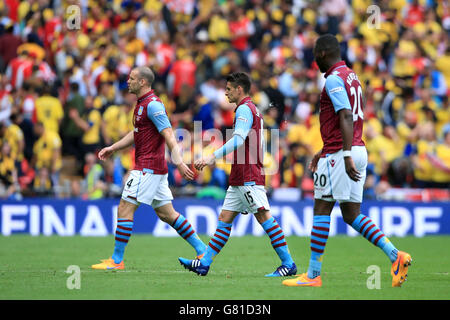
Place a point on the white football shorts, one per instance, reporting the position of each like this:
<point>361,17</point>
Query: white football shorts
<point>146,187</point>
<point>331,182</point>
<point>246,199</point>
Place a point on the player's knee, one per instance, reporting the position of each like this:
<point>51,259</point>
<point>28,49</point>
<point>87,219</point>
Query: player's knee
<point>227,216</point>
<point>349,217</point>
<point>165,217</point>
<point>350,211</point>
<point>125,210</point>
<point>166,214</point>
<point>262,216</point>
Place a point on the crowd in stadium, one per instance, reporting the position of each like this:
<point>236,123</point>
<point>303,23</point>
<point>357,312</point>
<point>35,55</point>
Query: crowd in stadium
<point>63,90</point>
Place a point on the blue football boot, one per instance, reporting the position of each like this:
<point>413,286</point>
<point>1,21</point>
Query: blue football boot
<point>284,271</point>
<point>194,266</point>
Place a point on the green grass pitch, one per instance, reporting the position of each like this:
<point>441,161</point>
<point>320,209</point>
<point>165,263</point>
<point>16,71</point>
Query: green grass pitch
<point>35,268</point>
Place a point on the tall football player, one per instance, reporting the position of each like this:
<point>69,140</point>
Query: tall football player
<point>246,193</point>
<point>147,182</point>
<point>340,167</point>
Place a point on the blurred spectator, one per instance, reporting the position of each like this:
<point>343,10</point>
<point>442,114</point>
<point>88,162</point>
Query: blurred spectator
<point>306,133</point>
<point>216,177</point>
<point>113,177</point>
<point>9,42</point>
<point>90,124</point>
<point>9,186</point>
<point>440,159</point>
<point>293,167</point>
<point>408,131</point>
<point>94,175</point>
<point>42,184</point>
<point>15,138</point>
<point>150,26</point>
<point>47,155</point>
<point>116,123</point>
<point>19,69</point>
<point>29,100</point>
<point>185,104</point>
<point>26,135</point>
<point>71,133</point>
<point>6,99</point>
<point>369,191</point>
<point>442,64</point>
<point>182,73</point>
<point>443,114</point>
<point>48,109</point>
<point>219,30</point>
<point>241,29</point>
<point>268,85</point>
<point>382,150</point>
<point>434,80</point>
<point>289,86</point>
<point>423,168</point>
<point>414,13</point>
<point>334,11</point>
<point>204,112</point>
<point>75,189</point>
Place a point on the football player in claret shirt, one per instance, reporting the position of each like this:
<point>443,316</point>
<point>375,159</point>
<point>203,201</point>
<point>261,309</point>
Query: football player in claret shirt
<point>246,193</point>
<point>340,167</point>
<point>147,182</point>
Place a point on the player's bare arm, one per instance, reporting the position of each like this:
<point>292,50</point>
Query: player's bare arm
<point>346,125</point>
<point>123,143</point>
<point>175,152</point>
<point>243,123</point>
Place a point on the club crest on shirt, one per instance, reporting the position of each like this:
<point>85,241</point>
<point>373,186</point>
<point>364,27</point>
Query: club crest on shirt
<point>141,109</point>
<point>332,162</point>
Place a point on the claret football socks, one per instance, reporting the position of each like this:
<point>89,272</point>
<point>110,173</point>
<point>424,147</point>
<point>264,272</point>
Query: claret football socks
<point>187,232</point>
<point>319,237</point>
<point>123,233</point>
<point>367,228</point>
<point>278,242</point>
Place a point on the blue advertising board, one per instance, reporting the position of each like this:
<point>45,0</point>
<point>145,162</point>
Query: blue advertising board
<point>98,218</point>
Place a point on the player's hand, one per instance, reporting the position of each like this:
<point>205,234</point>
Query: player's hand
<point>105,153</point>
<point>351,169</point>
<point>313,164</point>
<point>203,162</point>
<point>73,113</point>
<point>185,172</point>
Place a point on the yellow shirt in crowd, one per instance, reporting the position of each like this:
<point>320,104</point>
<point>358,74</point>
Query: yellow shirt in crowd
<point>116,122</point>
<point>424,169</point>
<point>300,133</point>
<point>382,150</point>
<point>442,151</point>
<point>49,111</point>
<point>47,150</point>
<point>15,138</point>
<point>92,136</point>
